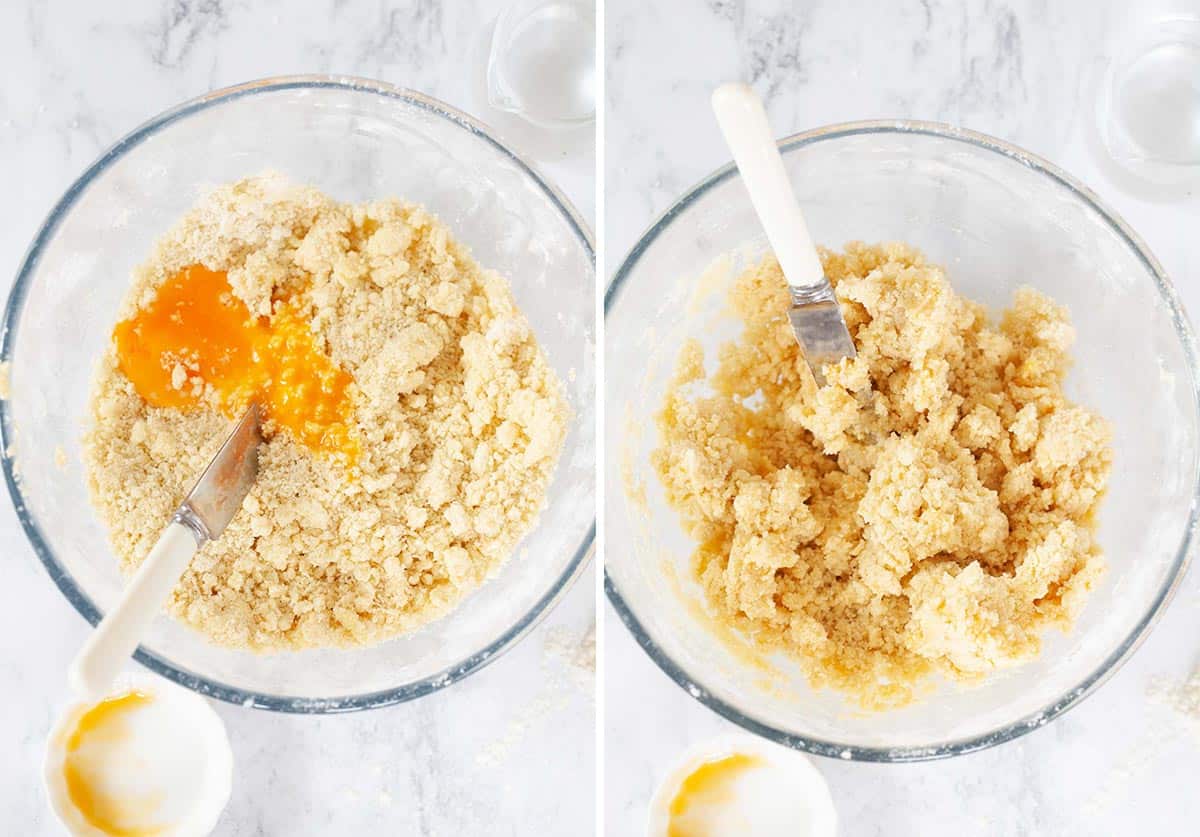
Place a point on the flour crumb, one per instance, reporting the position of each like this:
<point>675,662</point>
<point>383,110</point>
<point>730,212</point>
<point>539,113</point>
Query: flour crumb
<point>1183,697</point>
<point>578,652</point>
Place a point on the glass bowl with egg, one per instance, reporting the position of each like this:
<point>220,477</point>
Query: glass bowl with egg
<point>355,140</point>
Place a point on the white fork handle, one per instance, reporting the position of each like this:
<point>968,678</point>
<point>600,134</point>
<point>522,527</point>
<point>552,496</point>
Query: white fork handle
<point>744,123</point>
<point>116,637</point>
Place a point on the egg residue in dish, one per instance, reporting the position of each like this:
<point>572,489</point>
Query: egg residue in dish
<point>146,760</point>
<point>98,735</point>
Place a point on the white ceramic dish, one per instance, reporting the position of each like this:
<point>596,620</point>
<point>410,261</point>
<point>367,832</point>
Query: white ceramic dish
<point>171,765</point>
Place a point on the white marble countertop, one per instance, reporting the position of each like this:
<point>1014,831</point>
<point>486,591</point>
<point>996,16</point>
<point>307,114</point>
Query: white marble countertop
<point>509,751</point>
<point>1118,763</point>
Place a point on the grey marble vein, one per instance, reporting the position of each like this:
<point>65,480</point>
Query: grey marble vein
<point>181,24</point>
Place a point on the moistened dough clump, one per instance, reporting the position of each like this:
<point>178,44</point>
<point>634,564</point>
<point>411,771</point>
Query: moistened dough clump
<point>929,510</point>
<point>458,420</point>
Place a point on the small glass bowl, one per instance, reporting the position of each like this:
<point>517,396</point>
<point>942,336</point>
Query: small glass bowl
<point>997,218</point>
<point>542,62</point>
<point>356,140</point>
<point>1148,106</point>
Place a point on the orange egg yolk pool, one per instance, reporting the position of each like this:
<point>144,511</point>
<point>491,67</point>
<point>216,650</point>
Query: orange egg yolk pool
<point>85,769</point>
<point>196,337</point>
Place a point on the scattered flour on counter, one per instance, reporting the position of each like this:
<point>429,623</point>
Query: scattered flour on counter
<point>1161,731</point>
<point>1183,697</point>
<point>578,652</point>
<point>568,668</point>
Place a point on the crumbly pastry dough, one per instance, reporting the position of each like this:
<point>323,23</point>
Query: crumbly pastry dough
<point>930,510</point>
<point>461,421</point>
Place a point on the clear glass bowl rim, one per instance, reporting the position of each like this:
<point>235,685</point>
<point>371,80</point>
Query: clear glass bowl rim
<point>58,573</point>
<point>1179,565</point>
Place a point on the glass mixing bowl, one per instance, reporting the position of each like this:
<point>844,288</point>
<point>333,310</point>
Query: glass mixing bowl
<point>355,140</point>
<point>996,217</point>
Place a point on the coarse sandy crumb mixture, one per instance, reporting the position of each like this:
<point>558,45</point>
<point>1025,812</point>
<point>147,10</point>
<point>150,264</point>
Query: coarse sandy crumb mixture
<point>930,510</point>
<point>461,421</point>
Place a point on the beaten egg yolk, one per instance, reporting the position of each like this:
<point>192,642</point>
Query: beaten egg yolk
<point>708,786</point>
<point>96,731</point>
<point>196,332</point>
